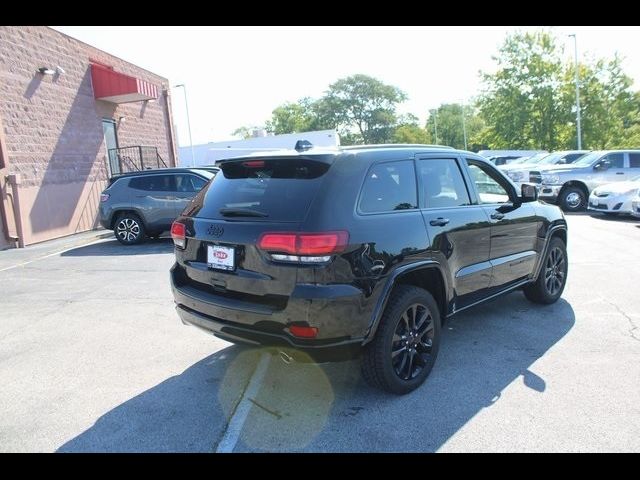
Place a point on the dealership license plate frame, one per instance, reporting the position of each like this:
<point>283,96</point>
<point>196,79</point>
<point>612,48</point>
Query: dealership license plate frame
<point>217,261</point>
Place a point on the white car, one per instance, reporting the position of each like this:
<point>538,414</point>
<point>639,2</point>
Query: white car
<point>635,206</point>
<point>615,197</point>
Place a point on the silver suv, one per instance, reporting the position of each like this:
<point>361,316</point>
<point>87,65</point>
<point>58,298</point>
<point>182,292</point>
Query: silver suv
<point>140,204</point>
<point>570,185</point>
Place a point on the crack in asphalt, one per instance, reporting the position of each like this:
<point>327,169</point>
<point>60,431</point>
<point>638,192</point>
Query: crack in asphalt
<point>633,328</point>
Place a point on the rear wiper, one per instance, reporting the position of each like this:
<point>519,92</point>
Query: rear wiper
<point>241,212</point>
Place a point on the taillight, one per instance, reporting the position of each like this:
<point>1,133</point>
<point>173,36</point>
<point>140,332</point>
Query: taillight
<point>104,197</point>
<point>179,234</point>
<point>303,247</point>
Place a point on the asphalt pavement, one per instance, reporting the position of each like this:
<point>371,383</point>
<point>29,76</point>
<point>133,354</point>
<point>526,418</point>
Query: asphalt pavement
<point>94,358</point>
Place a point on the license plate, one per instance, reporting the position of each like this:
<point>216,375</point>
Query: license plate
<point>220,257</point>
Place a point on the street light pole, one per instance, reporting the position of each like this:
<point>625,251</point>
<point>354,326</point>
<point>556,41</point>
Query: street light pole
<point>464,128</point>
<point>435,120</point>
<point>186,104</point>
<point>575,50</point>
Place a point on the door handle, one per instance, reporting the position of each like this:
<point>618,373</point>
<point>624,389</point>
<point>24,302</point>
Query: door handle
<point>619,173</point>
<point>439,222</point>
<point>497,216</point>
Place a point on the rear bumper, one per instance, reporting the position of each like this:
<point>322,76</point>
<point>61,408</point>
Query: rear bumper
<point>332,309</point>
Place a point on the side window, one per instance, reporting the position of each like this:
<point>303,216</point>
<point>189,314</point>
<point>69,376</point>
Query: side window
<point>140,183</point>
<point>154,183</point>
<point>572,157</point>
<point>634,160</point>
<point>389,186</point>
<point>189,183</point>
<point>491,188</point>
<point>442,183</point>
<point>616,160</point>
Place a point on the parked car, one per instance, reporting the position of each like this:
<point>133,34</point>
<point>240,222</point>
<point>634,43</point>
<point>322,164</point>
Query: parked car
<point>571,185</point>
<point>519,172</point>
<point>635,206</point>
<point>614,198</point>
<point>360,251</point>
<point>145,203</point>
<point>504,157</point>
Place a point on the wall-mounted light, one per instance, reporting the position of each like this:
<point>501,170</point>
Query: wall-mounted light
<point>121,119</point>
<point>46,71</point>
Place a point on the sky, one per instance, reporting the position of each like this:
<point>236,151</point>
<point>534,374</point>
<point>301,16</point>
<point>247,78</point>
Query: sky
<point>236,76</point>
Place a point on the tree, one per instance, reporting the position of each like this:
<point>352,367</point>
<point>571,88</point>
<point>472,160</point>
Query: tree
<point>450,128</point>
<point>522,102</point>
<point>243,132</point>
<point>363,108</point>
<point>608,106</point>
<point>408,131</point>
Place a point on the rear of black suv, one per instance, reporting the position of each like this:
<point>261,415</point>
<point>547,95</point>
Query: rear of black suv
<point>253,266</point>
<point>360,251</point>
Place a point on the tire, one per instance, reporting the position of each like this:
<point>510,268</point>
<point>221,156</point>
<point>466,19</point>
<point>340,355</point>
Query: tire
<point>550,283</point>
<point>572,199</point>
<point>409,367</point>
<point>129,229</point>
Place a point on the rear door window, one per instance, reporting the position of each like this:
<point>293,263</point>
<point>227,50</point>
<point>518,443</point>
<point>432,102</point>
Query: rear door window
<point>273,190</point>
<point>389,187</point>
<point>154,183</point>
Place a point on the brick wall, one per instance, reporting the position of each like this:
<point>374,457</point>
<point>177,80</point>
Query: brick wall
<point>53,127</point>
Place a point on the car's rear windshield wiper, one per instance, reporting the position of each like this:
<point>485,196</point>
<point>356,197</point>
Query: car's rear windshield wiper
<point>241,212</point>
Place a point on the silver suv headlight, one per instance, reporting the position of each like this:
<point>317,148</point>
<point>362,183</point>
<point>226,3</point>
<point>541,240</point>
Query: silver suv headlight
<point>550,179</point>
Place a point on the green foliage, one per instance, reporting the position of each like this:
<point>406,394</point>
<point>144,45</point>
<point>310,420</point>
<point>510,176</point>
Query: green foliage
<point>521,103</point>
<point>364,106</point>
<point>529,102</point>
<point>450,128</point>
<point>408,131</point>
<point>243,132</point>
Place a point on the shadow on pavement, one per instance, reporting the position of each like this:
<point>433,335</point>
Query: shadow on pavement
<point>184,413</point>
<point>115,248</point>
<point>309,407</point>
<point>615,218</point>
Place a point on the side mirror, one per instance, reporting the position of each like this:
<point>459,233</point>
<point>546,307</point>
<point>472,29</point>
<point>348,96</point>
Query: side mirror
<point>528,193</point>
<point>602,165</point>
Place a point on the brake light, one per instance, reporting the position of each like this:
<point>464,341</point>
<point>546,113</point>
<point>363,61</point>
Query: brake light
<point>179,234</point>
<point>253,164</point>
<point>104,197</point>
<point>303,247</point>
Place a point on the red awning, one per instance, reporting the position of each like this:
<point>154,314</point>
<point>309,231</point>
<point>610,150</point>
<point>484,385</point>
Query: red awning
<point>115,87</point>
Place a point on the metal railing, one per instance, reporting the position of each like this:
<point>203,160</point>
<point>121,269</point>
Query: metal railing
<point>135,158</point>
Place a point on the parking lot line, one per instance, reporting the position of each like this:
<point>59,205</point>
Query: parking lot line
<point>53,254</point>
<point>234,428</point>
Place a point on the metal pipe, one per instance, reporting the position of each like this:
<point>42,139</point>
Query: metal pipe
<point>578,117</point>
<point>14,181</point>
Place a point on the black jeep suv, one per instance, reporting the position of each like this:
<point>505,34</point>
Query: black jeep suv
<point>327,254</point>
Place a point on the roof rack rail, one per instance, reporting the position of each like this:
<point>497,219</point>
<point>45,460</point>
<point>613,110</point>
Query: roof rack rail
<point>395,145</point>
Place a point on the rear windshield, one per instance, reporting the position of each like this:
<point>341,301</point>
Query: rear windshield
<point>272,190</point>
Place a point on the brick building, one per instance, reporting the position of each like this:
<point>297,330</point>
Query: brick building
<point>67,112</point>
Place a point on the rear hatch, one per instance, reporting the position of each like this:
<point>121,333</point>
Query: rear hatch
<point>247,199</point>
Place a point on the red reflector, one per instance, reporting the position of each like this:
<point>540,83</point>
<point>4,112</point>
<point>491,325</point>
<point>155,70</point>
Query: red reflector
<point>253,164</point>
<point>178,230</point>
<point>311,244</point>
<point>303,332</point>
